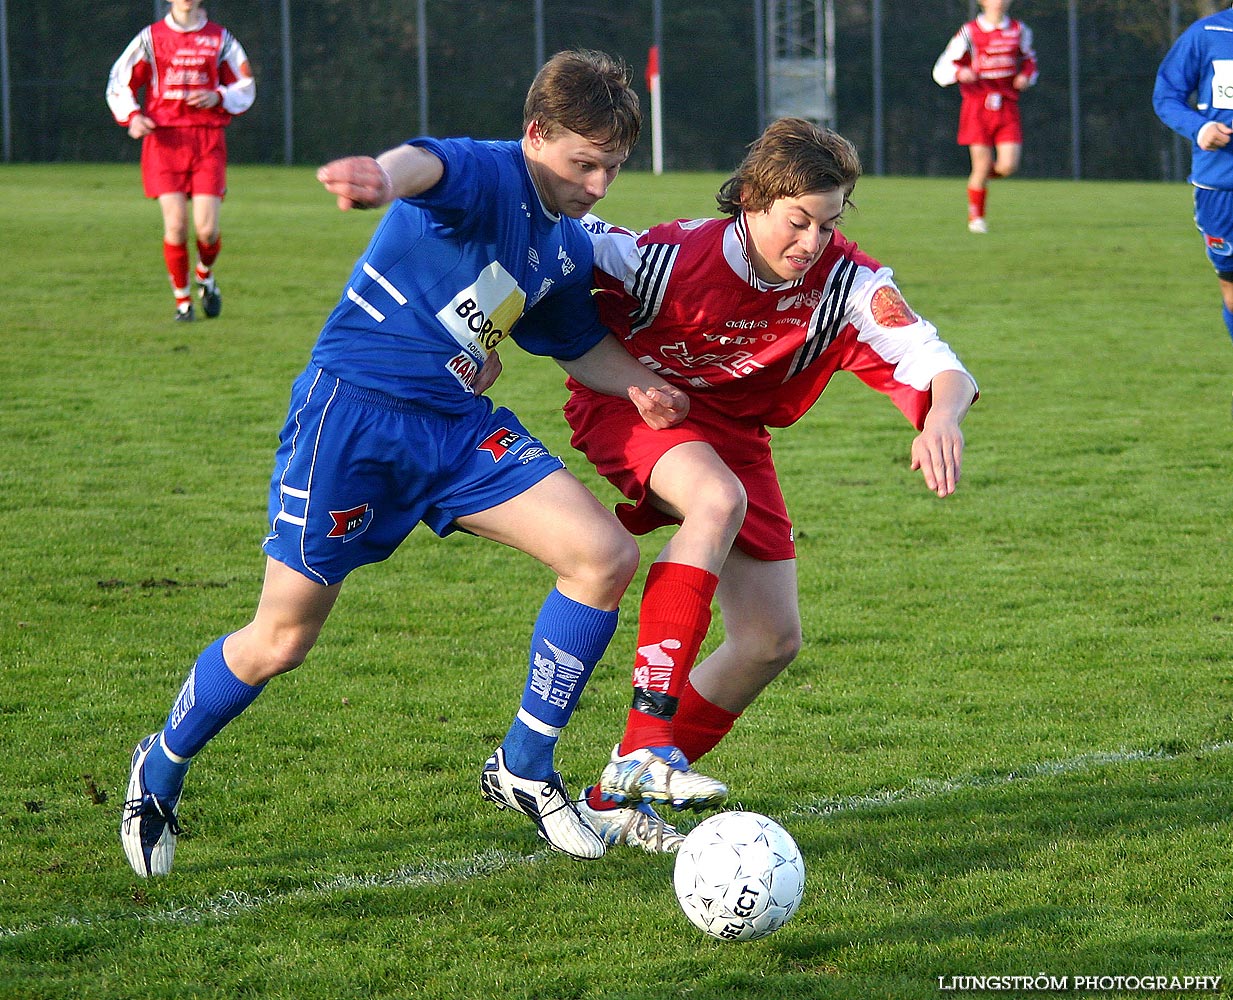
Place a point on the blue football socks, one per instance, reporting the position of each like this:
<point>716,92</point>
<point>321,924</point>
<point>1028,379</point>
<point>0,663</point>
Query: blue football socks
<point>164,776</point>
<point>211,697</point>
<point>1228,320</point>
<point>568,640</point>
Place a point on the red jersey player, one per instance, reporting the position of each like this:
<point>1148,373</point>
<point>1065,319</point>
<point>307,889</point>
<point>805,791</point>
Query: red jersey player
<point>992,60</point>
<point>751,315</point>
<point>196,77</point>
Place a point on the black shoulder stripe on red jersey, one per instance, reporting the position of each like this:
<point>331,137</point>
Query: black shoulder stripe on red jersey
<point>651,282</point>
<point>827,319</point>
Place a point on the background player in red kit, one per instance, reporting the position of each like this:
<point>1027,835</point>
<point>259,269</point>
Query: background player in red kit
<point>196,77</point>
<point>992,60</point>
<point>751,315</point>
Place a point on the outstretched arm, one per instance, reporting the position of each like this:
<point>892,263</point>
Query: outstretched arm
<point>938,449</point>
<point>368,182</point>
<point>608,368</point>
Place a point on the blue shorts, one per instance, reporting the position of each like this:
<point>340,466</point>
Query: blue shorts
<point>1213,217</point>
<point>357,470</point>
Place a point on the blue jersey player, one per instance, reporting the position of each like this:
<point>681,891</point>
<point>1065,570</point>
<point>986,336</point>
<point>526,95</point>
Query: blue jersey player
<point>1201,63</point>
<point>388,427</point>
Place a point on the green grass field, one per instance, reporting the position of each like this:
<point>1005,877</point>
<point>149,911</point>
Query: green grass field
<point>1005,749</point>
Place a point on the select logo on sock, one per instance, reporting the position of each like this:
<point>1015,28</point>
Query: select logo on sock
<point>349,524</point>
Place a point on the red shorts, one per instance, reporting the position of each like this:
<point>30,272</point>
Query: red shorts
<point>989,121</point>
<point>184,160</point>
<point>624,450</point>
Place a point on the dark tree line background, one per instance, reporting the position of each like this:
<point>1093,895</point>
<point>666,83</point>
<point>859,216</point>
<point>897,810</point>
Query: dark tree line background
<point>354,78</point>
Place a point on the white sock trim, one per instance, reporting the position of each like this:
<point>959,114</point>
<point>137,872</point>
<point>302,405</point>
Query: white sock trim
<point>538,725</point>
<point>175,758</point>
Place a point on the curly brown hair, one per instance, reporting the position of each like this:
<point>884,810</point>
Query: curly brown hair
<point>792,157</point>
<point>587,92</point>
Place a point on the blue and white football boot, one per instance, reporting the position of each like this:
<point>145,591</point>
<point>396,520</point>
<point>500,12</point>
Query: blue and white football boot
<point>546,803</point>
<point>646,776</point>
<point>148,826</point>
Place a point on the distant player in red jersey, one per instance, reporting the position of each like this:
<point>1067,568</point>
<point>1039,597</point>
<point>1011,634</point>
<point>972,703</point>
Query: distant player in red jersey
<point>751,315</point>
<point>992,60</point>
<point>196,77</point>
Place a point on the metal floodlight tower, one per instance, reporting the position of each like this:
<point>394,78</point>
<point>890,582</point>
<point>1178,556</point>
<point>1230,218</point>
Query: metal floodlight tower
<point>800,60</point>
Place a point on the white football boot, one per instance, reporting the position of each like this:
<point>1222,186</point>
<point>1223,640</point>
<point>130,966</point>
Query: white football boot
<point>546,803</point>
<point>148,826</point>
<point>636,826</point>
<point>644,776</point>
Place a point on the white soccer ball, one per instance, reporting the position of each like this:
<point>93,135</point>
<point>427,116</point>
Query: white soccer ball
<point>739,876</point>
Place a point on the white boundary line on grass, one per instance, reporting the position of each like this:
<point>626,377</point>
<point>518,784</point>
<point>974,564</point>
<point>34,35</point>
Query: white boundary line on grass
<point>235,903</point>
<point>928,788</point>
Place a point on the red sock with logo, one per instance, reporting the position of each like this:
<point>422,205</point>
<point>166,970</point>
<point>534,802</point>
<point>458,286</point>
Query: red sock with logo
<point>673,620</point>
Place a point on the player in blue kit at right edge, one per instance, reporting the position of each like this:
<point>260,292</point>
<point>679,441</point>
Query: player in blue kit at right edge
<point>1201,63</point>
<point>388,427</point>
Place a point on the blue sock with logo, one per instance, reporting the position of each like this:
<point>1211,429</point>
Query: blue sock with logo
<point>568,640</point>
<point>211,697</point>
<point>1228,320</point>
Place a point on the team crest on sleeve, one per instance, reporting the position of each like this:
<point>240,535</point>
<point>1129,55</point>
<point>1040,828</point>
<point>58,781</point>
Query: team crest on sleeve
<point>349,524</point>
<point>889,308</point>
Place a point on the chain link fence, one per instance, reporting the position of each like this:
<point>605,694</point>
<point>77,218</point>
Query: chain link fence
<point>345,78</point>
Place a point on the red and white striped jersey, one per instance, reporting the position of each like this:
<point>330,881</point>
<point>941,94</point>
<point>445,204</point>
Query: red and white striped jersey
<point>996,52</point>
<point>172,63</point>
<point>684,300</point>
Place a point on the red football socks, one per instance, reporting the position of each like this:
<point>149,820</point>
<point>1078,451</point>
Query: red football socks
<point>673,621</point>
<point>207,253</point>
<point>699,725</point>
<point>176,257</point>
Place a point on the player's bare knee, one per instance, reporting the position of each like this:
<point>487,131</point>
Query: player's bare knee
<point>286,657</point>
<point>620,561</point>
<point>789,647</point>
<point>776,648</point>
<point>720,502</point>
<point>597,570</point>
<point>266,653</point>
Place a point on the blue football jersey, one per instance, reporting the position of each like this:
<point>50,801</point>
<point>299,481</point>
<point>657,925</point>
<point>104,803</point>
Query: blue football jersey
<point>452,272</point>
<point>1200,62</point>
